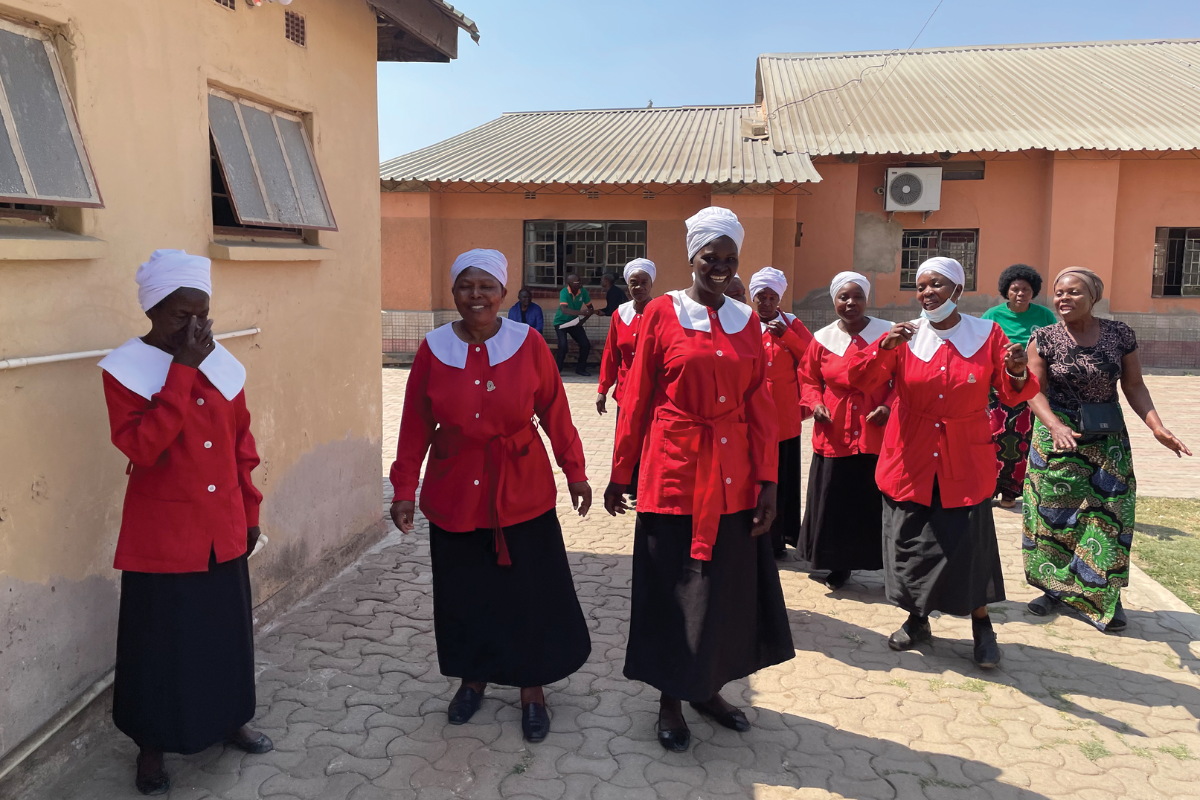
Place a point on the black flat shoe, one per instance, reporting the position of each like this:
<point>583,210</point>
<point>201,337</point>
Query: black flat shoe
<point>1043,606</point>
<point>734,720</point>
<point>677,740</point>
<point>255,743</point>
<point>837,578</point>
<point>535,722</point>
<point>583,373</point>
<point>1118,622</point>
<point>464,705</point>
<point>987,650</point>
<point>151,783</point>
<point>914,631</point>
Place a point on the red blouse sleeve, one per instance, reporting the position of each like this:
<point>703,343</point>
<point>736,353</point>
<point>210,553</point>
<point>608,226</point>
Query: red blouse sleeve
<point>142,429</point>
<point>812,383</point>
<point>610,362</point>
<point>763,422</point>
<point>554,413</point>
<point>872,367</point>
<point>416,428</point>
<point>1000,382</point>
<point>638,396</point>
<point>796,339</point>
<point>246,453</point>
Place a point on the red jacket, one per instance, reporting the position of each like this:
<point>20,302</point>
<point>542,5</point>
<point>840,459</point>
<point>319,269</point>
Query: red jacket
<point>784,354</point>
<point>473,405</point>
<point>619,349</point>
<point>190,457</point>
<point>698,413</point>
<point>940,426</point>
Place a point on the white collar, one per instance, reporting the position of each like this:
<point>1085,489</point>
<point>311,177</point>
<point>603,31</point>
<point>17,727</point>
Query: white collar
<point>452,351</point>
<point>627,312</point>
<point>836,340</point>
<point>143,368</point>
<point>694,317</point>
<point>787,320</point>
<point>968,336</point>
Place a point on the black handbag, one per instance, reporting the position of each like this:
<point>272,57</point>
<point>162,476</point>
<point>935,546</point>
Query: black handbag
<point>1101,419</point>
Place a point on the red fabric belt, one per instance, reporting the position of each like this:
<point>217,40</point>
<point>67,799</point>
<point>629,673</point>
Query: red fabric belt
<point>957,439</point>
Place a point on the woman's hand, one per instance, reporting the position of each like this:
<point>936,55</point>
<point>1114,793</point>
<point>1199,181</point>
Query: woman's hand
<point>1168,440</point>
<point>402,514</point>
<point>196,345</point>
<point>601,399</point>
<point>1064,438</point>
<point>581,496</point>
<point>252,535</point>
<point>879,416</point>
<point>614,499</point>
<point>776,328</point>
<point>901,332</point>
<point>764,512</point>
<point>1016,360</point>
<point>821,414</point>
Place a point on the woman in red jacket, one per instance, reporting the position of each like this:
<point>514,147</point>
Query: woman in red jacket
<point>785,339</point>
<point>185,639</point>
<point>706,607</point>
<point>504,605</point>
<point>621,344</point>
<point>842,528</point>
<point>938,467</point>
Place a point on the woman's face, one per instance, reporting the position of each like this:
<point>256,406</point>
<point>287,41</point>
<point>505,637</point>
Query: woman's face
<point>766,303</point>
<point>934,289</point>
<point>715,265</point>
<point>1020,294</point>
<point>477,296</point>
<point>169,319</point>
<point>640,286</point>
<point>850,303</point>
<point>1072,300</point>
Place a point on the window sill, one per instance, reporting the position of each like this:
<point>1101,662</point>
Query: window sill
<point>20,243</point>
<point>260,251</point>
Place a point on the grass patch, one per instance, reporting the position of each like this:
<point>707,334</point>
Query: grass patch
<point>1168,545</point>
<point>520,767</point>
<point>1180,751</point>
<point>974,685</point>
<point>937,684</point>
<point>1093,750</point>
<point>898,682</point>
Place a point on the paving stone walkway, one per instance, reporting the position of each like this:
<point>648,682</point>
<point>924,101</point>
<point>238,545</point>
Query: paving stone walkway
<point>350,691</point>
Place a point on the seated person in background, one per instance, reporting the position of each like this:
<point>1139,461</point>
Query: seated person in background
<point>527,311</point>
<point>613,295</point>
<point>574,308</point>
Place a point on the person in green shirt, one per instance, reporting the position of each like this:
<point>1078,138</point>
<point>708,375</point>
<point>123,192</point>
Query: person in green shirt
<point>574,307</point>
<point>1018,317</point>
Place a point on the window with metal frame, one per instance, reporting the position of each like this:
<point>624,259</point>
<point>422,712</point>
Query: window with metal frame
<point>917,247</point>
<point>42,156</point>
<point>1176,262</point>
<point>267,164</point>
<point>554,248</point>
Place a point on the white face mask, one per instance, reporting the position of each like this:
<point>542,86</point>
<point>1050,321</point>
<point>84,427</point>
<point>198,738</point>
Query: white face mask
<point>942,312</point>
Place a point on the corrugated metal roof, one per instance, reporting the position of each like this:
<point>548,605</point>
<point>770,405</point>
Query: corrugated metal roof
<point>691,144</point>
<point>1135,95</point>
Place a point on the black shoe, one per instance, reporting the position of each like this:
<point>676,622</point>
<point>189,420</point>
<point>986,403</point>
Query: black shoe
<point>914,631</point>
<point>781,553</point>
<point>583,372</point>
<point>535,722</point>
<point>1118,622</point>
<point>987,651</point>
<point>151,783</point>
<point>464,705</point>
<point>251,741</point>
<point>677,740</point>
<point>837,578</point>
<point>735,720</point>
<point>1043,606</point>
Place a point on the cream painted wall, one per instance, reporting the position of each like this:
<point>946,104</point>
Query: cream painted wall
<point>139,73</point>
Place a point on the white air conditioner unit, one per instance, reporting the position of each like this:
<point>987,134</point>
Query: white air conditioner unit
<point>913,189</point>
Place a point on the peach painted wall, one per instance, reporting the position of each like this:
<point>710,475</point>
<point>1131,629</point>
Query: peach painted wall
<point>826,213</point>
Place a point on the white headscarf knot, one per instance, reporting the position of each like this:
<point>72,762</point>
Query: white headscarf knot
<point>946,267</point>
<point>168,270</point>
<point>767,278</point>
<point>492,262</point>
<point>640,265</point>
<point>712,223</point>
<point>842,278</point>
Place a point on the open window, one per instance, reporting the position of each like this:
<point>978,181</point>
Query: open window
<point>267,173</point>
<point>1176,263</point>
<point>42,158</point>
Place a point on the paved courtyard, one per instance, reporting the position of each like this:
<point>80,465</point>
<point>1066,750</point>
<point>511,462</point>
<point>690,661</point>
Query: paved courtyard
<point>350,690</point>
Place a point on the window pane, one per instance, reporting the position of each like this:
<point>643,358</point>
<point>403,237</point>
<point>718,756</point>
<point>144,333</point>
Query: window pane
<point>11,181</point>
<point>41,119</point>
<point>1190,284</point>
<point>235,158</point>
<point>271,166</point>
<point>304,171</point>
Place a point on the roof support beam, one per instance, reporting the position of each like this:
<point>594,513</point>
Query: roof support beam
<point>423,21</point>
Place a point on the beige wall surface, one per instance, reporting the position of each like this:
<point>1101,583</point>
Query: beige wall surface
<point>139,73</point>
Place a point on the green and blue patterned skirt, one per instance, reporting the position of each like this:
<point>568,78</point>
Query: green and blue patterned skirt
<point>1078,519</point>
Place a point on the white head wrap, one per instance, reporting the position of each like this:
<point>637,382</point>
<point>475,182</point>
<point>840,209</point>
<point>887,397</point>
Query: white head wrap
<point>946,267</point>
<point>168,270</point>
<point>641,265</point>
<point>492,262</point>
<point>767,278</point>
<point>842,278</point>
<point>712,223</point>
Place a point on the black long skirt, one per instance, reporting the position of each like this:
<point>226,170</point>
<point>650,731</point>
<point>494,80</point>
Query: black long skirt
<point>843,519</point>
<point>516,626</point>
<point>185,657</point>
<point>637,468</point>
<point>697,625</point>
<point>785,529</point>
<point>941,559</point>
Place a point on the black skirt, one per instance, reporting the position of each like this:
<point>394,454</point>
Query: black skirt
<point>941,559</point>
<point>185,657</point>
<point>785,529</point>
<point>637,469</point>
<point>697,625</point>
<point>515,626</point>
<point>843,520</point>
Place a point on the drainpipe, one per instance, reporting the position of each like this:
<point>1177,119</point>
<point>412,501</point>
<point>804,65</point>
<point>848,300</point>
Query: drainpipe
<point>16,363</point>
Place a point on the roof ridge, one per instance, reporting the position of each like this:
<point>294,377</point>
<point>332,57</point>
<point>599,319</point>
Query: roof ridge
<point>709,107</point>
<point>977,48</point>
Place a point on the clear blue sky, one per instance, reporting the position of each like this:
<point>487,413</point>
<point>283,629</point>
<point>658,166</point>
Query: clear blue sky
<point>556,54</point>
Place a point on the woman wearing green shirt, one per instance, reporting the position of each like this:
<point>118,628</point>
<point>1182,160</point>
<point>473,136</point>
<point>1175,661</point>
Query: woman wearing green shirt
<point>1018,317</point>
